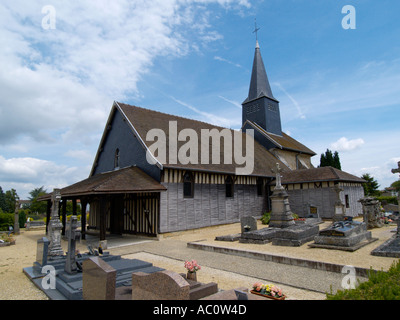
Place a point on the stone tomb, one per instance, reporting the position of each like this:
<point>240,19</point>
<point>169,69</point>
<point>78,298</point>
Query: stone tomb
<point>391,247</point>
<point>347,235</point>
<point>69,286</point>
<point>282,230</point>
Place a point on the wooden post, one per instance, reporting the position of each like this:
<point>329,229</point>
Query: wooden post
<point>83,218</point>
<point>103,209</point>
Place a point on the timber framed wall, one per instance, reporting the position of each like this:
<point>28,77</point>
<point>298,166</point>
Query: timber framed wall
<point>138,215</point>
<point>209,206</point>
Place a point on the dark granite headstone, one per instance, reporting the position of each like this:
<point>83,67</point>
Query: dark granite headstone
<point>42,249</point>
<point>98,280</point>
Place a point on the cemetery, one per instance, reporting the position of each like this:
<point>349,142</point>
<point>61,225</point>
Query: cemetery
<point>87,270</point>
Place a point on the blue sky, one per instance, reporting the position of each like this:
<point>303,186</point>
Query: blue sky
<point>338,88</point>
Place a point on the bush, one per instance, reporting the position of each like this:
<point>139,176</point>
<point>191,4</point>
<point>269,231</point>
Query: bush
<point>6,220</point>
<point>22,218</point>
<point>380,286</point>
<point>266,217</point>
<point>392,200</point>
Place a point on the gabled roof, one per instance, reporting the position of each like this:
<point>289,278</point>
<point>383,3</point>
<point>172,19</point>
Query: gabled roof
<point>259,84</point>
<point>126,180</point>
<point>282,142</point>
<point>319,174</point>
<point>143,120</point>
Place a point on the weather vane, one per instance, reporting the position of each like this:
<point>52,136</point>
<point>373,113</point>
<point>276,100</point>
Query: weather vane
<point>255,28</point>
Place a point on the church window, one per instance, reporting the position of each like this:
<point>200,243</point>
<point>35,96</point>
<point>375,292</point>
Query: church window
<point>229,187</point>
<point>259,186</point>
<point>188,185</point>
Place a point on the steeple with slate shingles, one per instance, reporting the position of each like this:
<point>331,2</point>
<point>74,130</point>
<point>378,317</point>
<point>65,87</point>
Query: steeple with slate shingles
<point>261,106</point>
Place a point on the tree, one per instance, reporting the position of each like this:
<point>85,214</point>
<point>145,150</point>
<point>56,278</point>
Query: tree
<point>328,159</point>
<point>396,185</point>
<point>3,205</point>
<point>11,198</point>
<point>371,187</point>
<point>38,207</point>
<point>336,161</point>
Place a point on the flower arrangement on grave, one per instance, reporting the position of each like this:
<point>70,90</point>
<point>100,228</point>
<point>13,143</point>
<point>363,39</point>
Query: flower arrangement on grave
<point>192,267</point>
<point>268,290</point>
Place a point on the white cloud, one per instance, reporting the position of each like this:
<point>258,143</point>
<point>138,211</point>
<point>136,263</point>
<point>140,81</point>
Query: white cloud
<point>58,85</point>
<point>65,79</point>
<point>25,174</point>
<point>343,144</point>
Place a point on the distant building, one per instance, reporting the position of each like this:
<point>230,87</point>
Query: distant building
<point>314,188</point>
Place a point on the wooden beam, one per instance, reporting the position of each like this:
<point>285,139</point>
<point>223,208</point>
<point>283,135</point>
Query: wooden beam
<point>83,218</point>
<point>103,209</point>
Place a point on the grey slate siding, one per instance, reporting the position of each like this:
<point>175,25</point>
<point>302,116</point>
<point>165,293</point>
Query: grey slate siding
<point>208,207</point>
<point>131,150</point>
<point>324,199</point>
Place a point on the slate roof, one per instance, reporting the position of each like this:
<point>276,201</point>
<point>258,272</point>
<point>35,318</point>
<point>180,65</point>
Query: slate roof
<point>126,180</point>
<point>319,174</point>
<point>259,84</point>
<point>142,120</point>
<point>284,141</point>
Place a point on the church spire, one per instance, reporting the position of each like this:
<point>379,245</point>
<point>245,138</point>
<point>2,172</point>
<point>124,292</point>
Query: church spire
<point>261,107</point>
<point>259,84</point>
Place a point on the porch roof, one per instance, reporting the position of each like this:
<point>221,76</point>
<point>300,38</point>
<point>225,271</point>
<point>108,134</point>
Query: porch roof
<point>126,180</point>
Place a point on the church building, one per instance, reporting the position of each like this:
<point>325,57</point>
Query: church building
<point>134,188</point>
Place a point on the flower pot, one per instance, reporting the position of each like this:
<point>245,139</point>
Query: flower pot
<point>191,276</point>
<point>268,296</point>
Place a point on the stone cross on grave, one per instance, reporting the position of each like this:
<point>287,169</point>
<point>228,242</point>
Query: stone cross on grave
<point>55,249</point>
<point>72,234</point>
<point>340,209</point>
<point>397,171</point>
<point>278,171</point>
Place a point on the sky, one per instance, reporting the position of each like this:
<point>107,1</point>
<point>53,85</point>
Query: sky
<point>335,72</point>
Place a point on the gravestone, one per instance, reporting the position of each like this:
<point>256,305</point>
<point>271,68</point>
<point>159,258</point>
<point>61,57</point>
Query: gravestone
<point>98,280</point>
<point>55,227</point>
<point>72,234</point>
<point>372,212</point>
<point>42,249</point>
<point>162,285</point>
<point>248,223</point>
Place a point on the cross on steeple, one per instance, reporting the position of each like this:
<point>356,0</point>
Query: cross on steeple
<point>255,28</point>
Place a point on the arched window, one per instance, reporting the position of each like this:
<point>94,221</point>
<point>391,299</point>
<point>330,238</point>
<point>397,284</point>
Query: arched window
<point>229,187</point>
<point>188,185</point>
<point>116,159</point>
